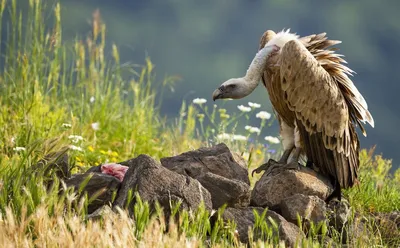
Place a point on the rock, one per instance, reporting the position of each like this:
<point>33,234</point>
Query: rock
<point>244,219</point>
<point>217,159</point>
<point>357,232</point>
<point>96,169</point>
<point>309,208</point>
<point>155,183</point>
<point>393,217</point>
<point>222,173</point>
<point>100,212</point>
<point>99,184</point>
<point>272,188</point>
<point>389,227</point>
<point>338,213</point>
<point>234,193</point>
<point>56,162</point>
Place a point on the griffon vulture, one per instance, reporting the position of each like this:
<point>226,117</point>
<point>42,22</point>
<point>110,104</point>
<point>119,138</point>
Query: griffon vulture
<point>315,101</point>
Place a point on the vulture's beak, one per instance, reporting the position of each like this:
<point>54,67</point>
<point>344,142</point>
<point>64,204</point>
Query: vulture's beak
<point>217,94</point>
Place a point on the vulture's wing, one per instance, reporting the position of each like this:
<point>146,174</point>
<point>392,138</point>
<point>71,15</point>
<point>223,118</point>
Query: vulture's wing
<point>322,108</point>
<point>313,95</point>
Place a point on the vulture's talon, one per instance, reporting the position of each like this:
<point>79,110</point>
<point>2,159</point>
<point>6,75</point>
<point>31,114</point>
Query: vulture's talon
<point>293,165</point>
<point>273,165</point>
<point>265,167</point>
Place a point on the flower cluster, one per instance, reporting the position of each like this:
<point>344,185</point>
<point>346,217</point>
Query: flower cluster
<point>226,136</point>
<point>75,138</point>
<point>253,129</point>
<point>272,140</point>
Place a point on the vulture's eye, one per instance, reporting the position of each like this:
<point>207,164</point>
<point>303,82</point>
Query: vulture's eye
<point>233,86</point>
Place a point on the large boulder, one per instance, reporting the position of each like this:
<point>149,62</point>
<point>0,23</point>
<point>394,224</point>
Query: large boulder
<point>222,173</point>
<point>217,159</point>
<point>309,208</point>
<point>272,188</point>
<point>155,183</point>
<point>100,186</point>
<point>245,219</point>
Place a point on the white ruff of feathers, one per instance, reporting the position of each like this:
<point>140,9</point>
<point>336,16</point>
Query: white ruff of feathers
<point>281,38</point>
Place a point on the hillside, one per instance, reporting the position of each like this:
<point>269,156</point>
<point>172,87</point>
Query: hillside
<point>80,95</point>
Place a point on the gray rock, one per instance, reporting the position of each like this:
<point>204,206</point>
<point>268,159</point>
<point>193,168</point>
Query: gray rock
<point>272,188</point>
<point>101,185</point>
<point>99,213</point>
<point>96,169</point>
<point>155,183</point>
<point>56,162</point>
<point>309,208</point>
<point>338,213</point>
<point>222,173</point>
<point>244,219</point>
<point>234,193</point>
<point>388,225</point>
<point>217,159</point>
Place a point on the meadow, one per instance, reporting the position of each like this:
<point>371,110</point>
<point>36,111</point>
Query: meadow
<point>77,94</point>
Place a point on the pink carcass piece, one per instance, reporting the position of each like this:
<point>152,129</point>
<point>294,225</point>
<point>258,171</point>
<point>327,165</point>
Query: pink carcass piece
<point>115,170</point>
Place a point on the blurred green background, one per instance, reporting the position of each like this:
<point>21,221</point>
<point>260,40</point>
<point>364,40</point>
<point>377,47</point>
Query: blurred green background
<point>206,42</point>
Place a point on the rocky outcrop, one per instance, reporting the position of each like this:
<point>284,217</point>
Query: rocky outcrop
<point>216,177</point>
<point>222,173</point>
<point>273,188</point>
<point>155,183</point>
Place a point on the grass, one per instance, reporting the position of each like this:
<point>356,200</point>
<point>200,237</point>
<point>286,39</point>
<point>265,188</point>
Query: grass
<point>56,94</point>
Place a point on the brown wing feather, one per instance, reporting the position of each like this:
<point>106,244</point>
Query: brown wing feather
<point>314,96</point>
<point>322,112</point>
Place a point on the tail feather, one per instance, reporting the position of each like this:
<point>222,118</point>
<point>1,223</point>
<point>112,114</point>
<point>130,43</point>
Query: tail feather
<point>336,165</point>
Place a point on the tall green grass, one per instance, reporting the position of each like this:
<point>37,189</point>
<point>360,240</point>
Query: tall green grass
<point>58,94</point>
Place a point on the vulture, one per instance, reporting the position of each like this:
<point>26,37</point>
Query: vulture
<point>316,103</point>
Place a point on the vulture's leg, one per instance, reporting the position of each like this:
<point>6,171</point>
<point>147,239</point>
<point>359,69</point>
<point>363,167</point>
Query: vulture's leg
<point>285,156</point>
<point>272,164</point>
<point>294,161</point>
<point>288,141</point>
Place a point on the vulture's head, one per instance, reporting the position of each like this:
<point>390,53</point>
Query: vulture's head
<point>234,88</point>
<point>237,88</point>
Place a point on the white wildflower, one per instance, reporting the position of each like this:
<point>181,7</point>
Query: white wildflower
<point>224,136</point>
<point>199,101</point>
<point>254,105</point>
<point>247,127</point>
<point>273,140</point>
<point>95,126</point>
<point>66,125</point>
<point>19,149</point>
<point>254,130</point>
<point>244,108</point>
<point>92,99</point>
<point>263,115</point>
<point>12,140</point>
<point>75,148</point>
<point>239,137</point>
<point>75,138</point>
